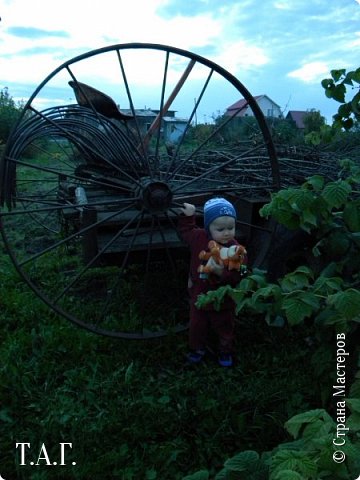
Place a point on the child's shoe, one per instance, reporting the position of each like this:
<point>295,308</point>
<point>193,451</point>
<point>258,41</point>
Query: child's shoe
<point>195,356</point>
<point>225,360</point>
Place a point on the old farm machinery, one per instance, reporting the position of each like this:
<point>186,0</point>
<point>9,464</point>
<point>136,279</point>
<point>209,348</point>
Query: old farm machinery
<point>90,190</point>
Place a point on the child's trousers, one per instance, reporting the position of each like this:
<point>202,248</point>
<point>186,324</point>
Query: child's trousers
<point>221,322</point>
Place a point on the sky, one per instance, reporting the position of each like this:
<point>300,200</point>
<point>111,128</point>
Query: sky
<point>280,48</point>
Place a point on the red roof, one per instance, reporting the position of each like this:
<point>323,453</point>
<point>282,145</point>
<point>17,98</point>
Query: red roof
<point>241,106</point>
<point>297,116</point>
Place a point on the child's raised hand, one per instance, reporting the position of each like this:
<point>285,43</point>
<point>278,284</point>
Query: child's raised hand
<point>188,209</point>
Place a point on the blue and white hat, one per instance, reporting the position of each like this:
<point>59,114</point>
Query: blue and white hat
<point>217,207</point>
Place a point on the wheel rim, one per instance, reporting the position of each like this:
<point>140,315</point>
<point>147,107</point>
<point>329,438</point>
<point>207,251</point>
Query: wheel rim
<point>90,197</point>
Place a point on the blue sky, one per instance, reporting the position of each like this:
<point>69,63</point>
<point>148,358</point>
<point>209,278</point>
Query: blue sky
<point>281,48</point>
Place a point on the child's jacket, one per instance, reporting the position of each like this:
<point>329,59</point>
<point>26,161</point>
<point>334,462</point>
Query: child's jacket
<point>198,239</point>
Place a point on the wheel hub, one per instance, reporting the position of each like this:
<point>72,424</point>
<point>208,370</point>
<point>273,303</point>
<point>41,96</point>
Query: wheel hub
<point>156,196</point>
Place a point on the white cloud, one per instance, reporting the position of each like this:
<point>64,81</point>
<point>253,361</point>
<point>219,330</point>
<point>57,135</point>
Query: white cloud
<point>239,56</point>
<point>93,25</point>
<point>356,42</point>
<point>310,72</point>
<point>257,46</point>
<point>282,5</point>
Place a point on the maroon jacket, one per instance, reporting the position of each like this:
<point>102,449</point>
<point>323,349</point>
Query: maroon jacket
<point>197,238</point>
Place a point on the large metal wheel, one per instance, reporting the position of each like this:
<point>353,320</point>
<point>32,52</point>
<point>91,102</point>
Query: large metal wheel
<point>90,190</point>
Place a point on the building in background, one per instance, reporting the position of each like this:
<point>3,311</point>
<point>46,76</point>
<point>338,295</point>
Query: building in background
<point>267,106</point>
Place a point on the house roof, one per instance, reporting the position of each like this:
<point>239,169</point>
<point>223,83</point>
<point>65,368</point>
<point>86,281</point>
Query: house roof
<point>141,112</point>
<point>175,120</point>
<point>242,104</point>
<point>297,116</point>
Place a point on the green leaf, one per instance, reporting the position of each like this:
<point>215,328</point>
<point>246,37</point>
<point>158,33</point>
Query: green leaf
<point>330,270</point>
<point>316,430</point>
<point>164,400</point>
<point>294,425</point>
<point>346,302</point>
<point>5,417</point>
<point>355,104</point>
<point>338,93</point>
<point>345,110</point>
<point>353,422</point>
<point>237,295</point>
<point>353,404</point>
<point>309,219</point>
<point>242,462</point>
<point>336,193</point>
<point>327,285</point>
<point>337,243</point>
<point>200,475</point>
<point>296,310</point>
<point>293,460</point>
<point>351,215</point>
<point>347,124</point>
<point>355,75</point>
<point>301,198</point>
<point>129,373</point>
<point>277,321</point>
<point>266,292</point>
<point>328,317</point>
<point>355,387</point>
<point>337,74</point>
<point>151,474</point>
<point>287,475</point>
<point>222,475</point>
<point>296,280</point>
<point>316,182</point>
<point>280,208</point>
<point>260,279</point>
<point>327,83</point>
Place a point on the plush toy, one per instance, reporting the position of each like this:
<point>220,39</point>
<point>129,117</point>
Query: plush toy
<point>231,257</point>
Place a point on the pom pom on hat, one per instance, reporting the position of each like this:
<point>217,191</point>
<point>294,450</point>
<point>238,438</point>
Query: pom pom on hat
<point>217,207</point>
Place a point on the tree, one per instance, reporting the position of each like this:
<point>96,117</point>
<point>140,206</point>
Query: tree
<point>336,88</point>
<point>9,114</point>
<point>313,122</point>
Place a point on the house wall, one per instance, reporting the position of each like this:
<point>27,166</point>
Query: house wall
<point>173,131</point>
<point>269,108</point>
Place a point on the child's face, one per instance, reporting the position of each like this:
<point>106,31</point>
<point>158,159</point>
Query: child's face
<point>222,229</point>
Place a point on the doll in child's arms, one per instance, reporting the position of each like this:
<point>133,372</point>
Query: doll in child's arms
<point>232,258</point>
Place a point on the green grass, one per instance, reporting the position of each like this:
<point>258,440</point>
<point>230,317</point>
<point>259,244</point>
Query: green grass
<point>135,410</point>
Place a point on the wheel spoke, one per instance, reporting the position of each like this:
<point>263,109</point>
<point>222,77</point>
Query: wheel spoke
<point>82,145</point>
<point>93,260</point>
<point>191,117</point>
<point>214,169</point>
<point>121,268</point>
<point>81,231</point>
<point>92,192</point>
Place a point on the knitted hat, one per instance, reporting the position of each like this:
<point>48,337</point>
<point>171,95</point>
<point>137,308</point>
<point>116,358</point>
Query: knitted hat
<point>217,207</point>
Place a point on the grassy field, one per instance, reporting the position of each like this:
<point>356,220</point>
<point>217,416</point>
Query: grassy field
<point>136,410</point>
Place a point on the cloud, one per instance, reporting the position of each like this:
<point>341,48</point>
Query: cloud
<point>173,8</point>
<point>34,51</point>
<point>266,48</point>
<point>241,55</point>
<point>310,72</point>
<point>34,33</point>
<point>282,5</point>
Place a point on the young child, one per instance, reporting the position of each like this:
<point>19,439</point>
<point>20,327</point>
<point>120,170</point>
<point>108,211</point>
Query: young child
<point>219,225</point>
